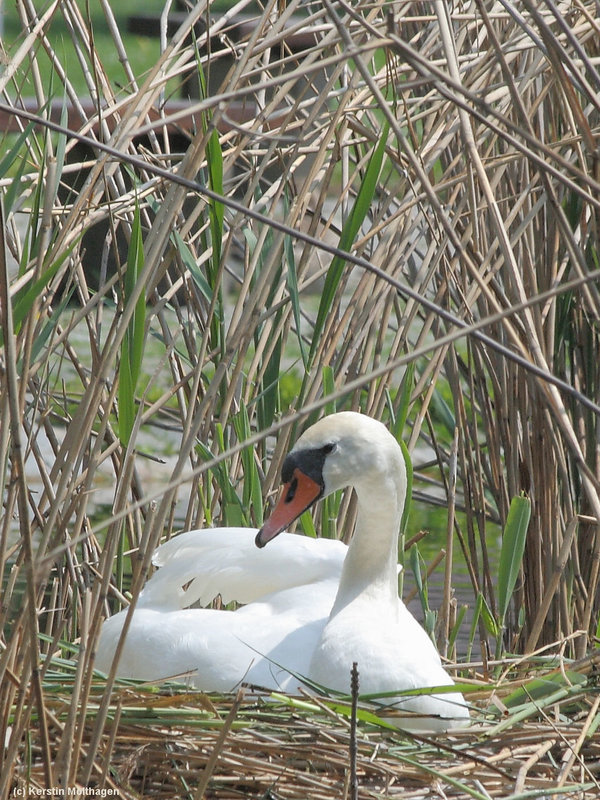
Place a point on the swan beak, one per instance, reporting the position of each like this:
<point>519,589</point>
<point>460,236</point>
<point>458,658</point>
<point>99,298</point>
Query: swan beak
<point>297,495</point>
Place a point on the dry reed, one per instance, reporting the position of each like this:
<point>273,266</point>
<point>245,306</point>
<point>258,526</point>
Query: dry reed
<point>467,307</point>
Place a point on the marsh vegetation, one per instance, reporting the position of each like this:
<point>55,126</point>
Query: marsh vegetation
<point>283,211</point>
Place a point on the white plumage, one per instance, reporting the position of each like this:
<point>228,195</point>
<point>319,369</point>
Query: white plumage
<point>311,608</point>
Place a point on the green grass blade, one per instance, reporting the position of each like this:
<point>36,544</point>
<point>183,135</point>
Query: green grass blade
<point>308,526</point>
<point>453,635</point>
<point>232,510</point>
<point>252,490</point>
<point>292,285</point>
<point>14,187</point>
<point>443,411</point>
<point>24,300</point>
<point>135,264</point>
<point>403,404</point>
<point>214,156</point>
<point>214,159</point>
<point>398,416</point>
<point>409,484</point>
<point>537,689</point>
<point>61,144</point>
<point>191,265</point>
<point>268,405</point>
<point>48,329</point>
<point>489,621</point>
<point>329,388</point>
<point>12,155</point>
<point>481,613</point>
<point>405,511</point>
<point>532,709</point>
<point>330,505</point>
<point>126,401</point>
<point>132,348</point>
<point>511,553</point>
<point>422,588</point>
<point>357,216</point>
<point>216,216</point>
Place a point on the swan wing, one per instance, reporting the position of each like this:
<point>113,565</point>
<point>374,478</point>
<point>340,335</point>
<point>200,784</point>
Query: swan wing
<point>198,565</point>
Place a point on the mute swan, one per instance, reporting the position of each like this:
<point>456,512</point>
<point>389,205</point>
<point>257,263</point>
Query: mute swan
<point>314,606</point>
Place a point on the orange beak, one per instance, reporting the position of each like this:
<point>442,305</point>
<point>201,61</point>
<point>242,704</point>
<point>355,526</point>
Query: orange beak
<point>297,495</point>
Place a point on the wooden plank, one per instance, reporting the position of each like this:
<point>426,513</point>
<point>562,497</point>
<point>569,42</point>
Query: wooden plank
<point>239,29</point>
<point>238,113</point>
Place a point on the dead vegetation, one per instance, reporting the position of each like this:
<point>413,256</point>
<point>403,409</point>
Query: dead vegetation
<point>400,216</point>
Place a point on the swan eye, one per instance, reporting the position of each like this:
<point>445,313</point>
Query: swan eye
<point>329,448</point>
<point>291,492</point>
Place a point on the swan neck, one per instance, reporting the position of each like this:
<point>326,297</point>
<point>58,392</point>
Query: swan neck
<point>371,565</point>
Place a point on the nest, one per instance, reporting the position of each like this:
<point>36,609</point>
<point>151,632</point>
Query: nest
<point>532,736</point>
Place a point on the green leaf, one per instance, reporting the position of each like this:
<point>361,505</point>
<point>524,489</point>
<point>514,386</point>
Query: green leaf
<point>329,388</point>
<point>409,484</point>
<point>456,627</point>
<point>252,492</point>
<point>307,524</point>
<point>251,239</point>
<point>135,265</point>
<point>26,297</point>
<point>14,186</point>
<point>415,565</point>
<point>444,411</point>
<point>481,612</point>
<point>330,507</point>
<point>132,347</point>
<point>422,587</point>
<point>268,404</point>
<point>538,689</point>
<point>546,699</point>
<point>232,510</point>
<point>49,328</point>
<point>357,216</point>
<point>488,618</point>
<point>214,156</point>
<point>403,403</point>
<point>126,401</point>
<point>511,553</point>
<point>61,144</point>
<point>214,160</point>
<point>12,155</point>
<point>191,265</point>
<point>292,286</point>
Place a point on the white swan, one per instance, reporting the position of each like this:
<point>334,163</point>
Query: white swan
<point>313,606</point>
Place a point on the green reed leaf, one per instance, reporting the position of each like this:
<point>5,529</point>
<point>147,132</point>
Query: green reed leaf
<point>132,348</point>
<point>353,224</point>
<point>511,553</point>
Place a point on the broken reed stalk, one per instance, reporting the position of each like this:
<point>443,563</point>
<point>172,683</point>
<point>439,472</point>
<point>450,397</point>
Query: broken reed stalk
<point>219,745</point>
<point>353,749</point>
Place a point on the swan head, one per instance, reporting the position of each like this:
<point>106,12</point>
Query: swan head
<point>340,450</point>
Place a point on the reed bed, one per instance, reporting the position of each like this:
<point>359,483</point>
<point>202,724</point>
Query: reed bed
<point>401,217</point>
